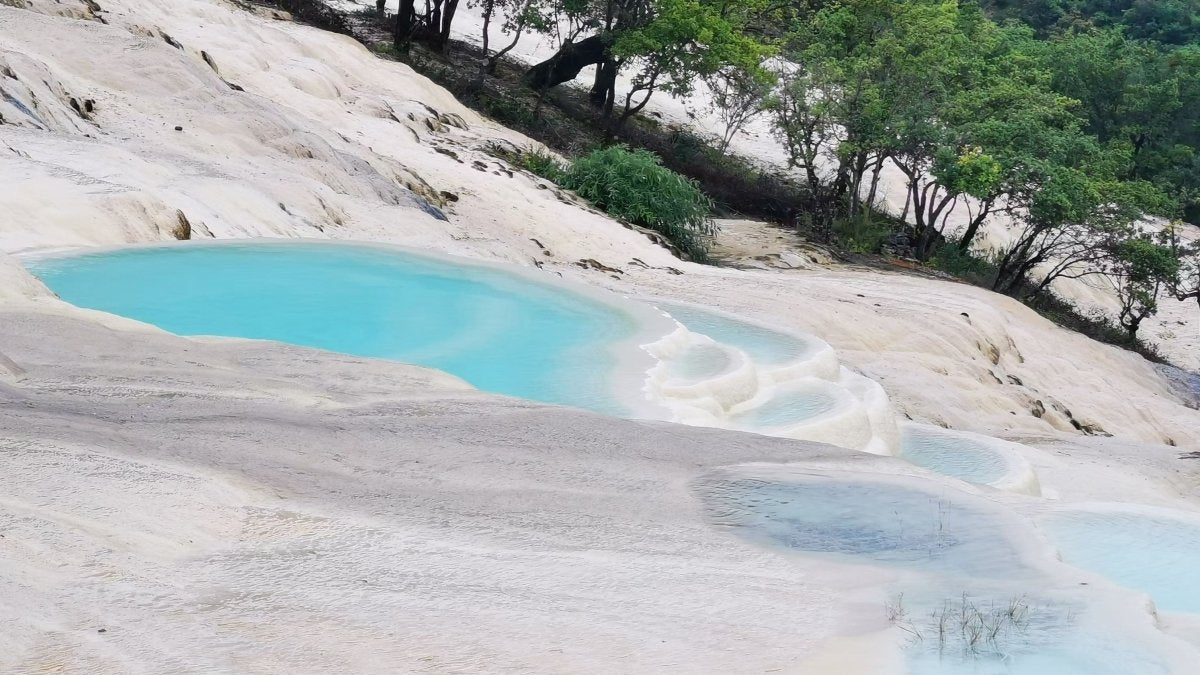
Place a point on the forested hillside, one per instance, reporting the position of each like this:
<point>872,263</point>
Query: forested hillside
<point>1134,65</point>
<point>1175,22</point>
<point>1075,126</point>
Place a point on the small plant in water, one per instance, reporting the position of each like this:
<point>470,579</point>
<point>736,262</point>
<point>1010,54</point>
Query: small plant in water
<point>962,626</point>
<point>897,615</point>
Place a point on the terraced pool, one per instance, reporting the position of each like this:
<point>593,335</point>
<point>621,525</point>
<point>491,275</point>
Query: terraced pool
<point>501,331</point>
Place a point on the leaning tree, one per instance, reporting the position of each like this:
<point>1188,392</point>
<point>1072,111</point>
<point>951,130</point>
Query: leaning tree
<point>669,44</point>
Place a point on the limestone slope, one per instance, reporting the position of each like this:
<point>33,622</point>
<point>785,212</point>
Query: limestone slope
<point>178,504</point>
<point>321,139</point>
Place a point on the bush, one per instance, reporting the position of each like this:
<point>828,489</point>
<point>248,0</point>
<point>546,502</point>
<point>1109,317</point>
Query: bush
<point>540,163</point>
<point>631,184</point>
<point>864,233</point>
<point>952,260</point>
<point>508,110</point>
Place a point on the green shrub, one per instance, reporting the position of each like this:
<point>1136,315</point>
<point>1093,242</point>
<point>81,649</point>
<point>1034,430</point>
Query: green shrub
<point>508,110</point>
<point>631,184</point>
<point>387,49</point>
<point>966,265</point>
<point>864,233</point>
<point>540,163</point>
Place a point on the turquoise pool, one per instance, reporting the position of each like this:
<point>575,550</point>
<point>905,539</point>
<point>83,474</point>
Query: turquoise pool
<point>767,347</point>
<point>977,599</point>
<point>953,454</point>
<point>874,522</point>
<point>1155,553</point>
<point>501,331</point>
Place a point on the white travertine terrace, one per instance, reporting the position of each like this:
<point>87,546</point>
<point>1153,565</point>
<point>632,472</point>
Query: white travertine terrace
<point>224,505</point>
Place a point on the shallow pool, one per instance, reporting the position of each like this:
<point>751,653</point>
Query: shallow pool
<point>1016,634</point>
<point>1150,552</point>
<point>953,454</point>
<point>982,601</point>
<point>794,405</point>
<point>765,346</point>
<point>877,522</point>
<point>1035,651</point>
<point>500,331</point>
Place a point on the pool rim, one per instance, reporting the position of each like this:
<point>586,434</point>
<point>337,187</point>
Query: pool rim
<point>632,360</point>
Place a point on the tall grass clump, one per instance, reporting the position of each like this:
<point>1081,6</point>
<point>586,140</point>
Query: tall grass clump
<point>540,163</point>
<point>953,260</point>
<point>862,233</point>
<point>634,186</point>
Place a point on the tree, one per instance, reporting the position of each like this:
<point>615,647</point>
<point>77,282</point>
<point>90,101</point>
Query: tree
<point>569,20</point>
<point>1141,270</point>
<point>1186,285</point>
<point>684,41</point>
<point>673,43</point>
<point>877,82</point>
<point>738,96</point>
<point>518,17</point>
<point>431,27</point>
<point>1173,22</point>
<point>1004,126</point>
<point>941,82</point>
<point>1140,97</point>
<point>830,104</point>
<point>1072,220</point>
<point>806,123</point>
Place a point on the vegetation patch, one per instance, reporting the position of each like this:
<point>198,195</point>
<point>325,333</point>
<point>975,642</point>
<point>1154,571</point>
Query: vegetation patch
<point>540,163</point>
<point>866,232</point>
<point>634,186</point>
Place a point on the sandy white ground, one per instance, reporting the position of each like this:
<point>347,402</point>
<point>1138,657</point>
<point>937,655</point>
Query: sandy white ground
<point>247,507</point>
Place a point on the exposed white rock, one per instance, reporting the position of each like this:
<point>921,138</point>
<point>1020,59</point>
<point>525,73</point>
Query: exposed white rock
<point>239,506</point>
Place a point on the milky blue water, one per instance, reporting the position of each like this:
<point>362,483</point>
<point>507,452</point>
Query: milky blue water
<point>1158,555</point>
<point>1035,650</point>
<point>955,455</point>
<point>499,331</point>
<point>763,345</point>
<point>699,362</point>
<point>788,407</point>
<point>874,522</point>
<point>1023,633</point>
<point>961,548</point>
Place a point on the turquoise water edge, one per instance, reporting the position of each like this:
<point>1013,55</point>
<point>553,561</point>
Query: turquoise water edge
<point>497,330</point>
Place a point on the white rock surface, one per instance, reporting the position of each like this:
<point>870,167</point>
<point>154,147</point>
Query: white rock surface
<point>238,506</point>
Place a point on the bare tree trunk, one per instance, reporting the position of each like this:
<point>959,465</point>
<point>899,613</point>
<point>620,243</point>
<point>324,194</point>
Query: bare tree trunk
<point>875,171</point>
<point>604,86</point>
<point>406,25</point>
<point>565,65</point>
<point>488,7</point>
<point>631,111</point>
<point>520,29</point>
<point>968,237</point>
<point>433,24</point>
<point>447,20</point>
